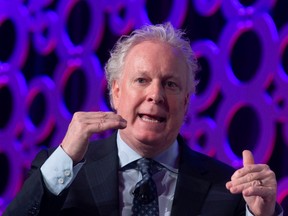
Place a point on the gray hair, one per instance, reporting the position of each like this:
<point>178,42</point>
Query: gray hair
<point>161,32</point>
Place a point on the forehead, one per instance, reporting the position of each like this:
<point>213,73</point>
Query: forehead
<point>156,56</point>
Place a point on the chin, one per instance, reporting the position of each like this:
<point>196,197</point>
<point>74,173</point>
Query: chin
<point>151,137</point>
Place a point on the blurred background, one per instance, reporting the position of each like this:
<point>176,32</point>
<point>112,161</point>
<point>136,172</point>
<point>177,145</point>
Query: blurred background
<point>52,55</point>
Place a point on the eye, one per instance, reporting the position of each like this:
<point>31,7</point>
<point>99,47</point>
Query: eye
<point>141,80</point>
<point>171,84</point>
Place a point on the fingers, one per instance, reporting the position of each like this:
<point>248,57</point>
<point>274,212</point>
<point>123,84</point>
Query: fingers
<point>96,122</point>
<point>248,158</point>
<point>258,175</point>
<point>81,128</point>
<point>251,172</point>
<point>252,178</point>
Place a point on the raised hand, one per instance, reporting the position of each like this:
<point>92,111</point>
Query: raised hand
<point>81,128</point>
<point>257,183</point>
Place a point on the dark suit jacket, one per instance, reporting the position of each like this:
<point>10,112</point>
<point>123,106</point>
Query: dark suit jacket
<point>200,188</point>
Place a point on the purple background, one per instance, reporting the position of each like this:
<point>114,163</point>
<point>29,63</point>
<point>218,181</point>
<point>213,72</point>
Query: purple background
<point>52,55</point>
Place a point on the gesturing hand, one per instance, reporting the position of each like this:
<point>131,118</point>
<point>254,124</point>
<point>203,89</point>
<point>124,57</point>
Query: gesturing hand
<point>81,128</point>
<point>258,185</point>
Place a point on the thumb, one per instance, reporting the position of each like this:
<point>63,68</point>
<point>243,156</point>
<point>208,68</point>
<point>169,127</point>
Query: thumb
<point>247,158</point>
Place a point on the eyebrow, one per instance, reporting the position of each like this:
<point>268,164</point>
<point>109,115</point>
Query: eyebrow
<point>166,76</point>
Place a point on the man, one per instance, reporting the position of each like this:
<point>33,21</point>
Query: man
<point>150,77</point>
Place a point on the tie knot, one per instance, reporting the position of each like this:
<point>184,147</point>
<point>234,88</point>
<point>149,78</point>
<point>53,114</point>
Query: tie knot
<point>148,166</point>
<point>145,166</point>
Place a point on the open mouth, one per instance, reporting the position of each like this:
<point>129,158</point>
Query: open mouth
<point>152,118</point>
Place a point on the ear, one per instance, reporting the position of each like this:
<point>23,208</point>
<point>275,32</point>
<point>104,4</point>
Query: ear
<point>115,93</point>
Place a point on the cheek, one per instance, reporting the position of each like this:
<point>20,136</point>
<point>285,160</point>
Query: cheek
<point>129,102</point>
<point>178,109</point>
<point>177,103</point>
<point>134,96</point>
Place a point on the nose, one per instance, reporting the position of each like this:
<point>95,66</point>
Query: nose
<point>156,93</point>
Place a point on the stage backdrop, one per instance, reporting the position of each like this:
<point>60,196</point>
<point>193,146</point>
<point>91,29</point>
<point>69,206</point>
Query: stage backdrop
<point>52,55</point>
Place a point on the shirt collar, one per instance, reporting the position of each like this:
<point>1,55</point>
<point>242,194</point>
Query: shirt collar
<point>168,158</point>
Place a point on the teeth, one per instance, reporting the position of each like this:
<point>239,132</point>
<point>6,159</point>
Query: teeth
<point>145,118</point>
<point>148,118</point>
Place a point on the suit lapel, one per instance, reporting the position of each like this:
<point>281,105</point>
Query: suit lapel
<point>191,187</point>
<point>102,176</point>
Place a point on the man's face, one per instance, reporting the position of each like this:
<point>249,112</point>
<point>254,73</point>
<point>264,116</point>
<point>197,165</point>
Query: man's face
<point>151,95</point>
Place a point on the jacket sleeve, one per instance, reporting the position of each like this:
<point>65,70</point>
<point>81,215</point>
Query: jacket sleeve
<point>34,198</point>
